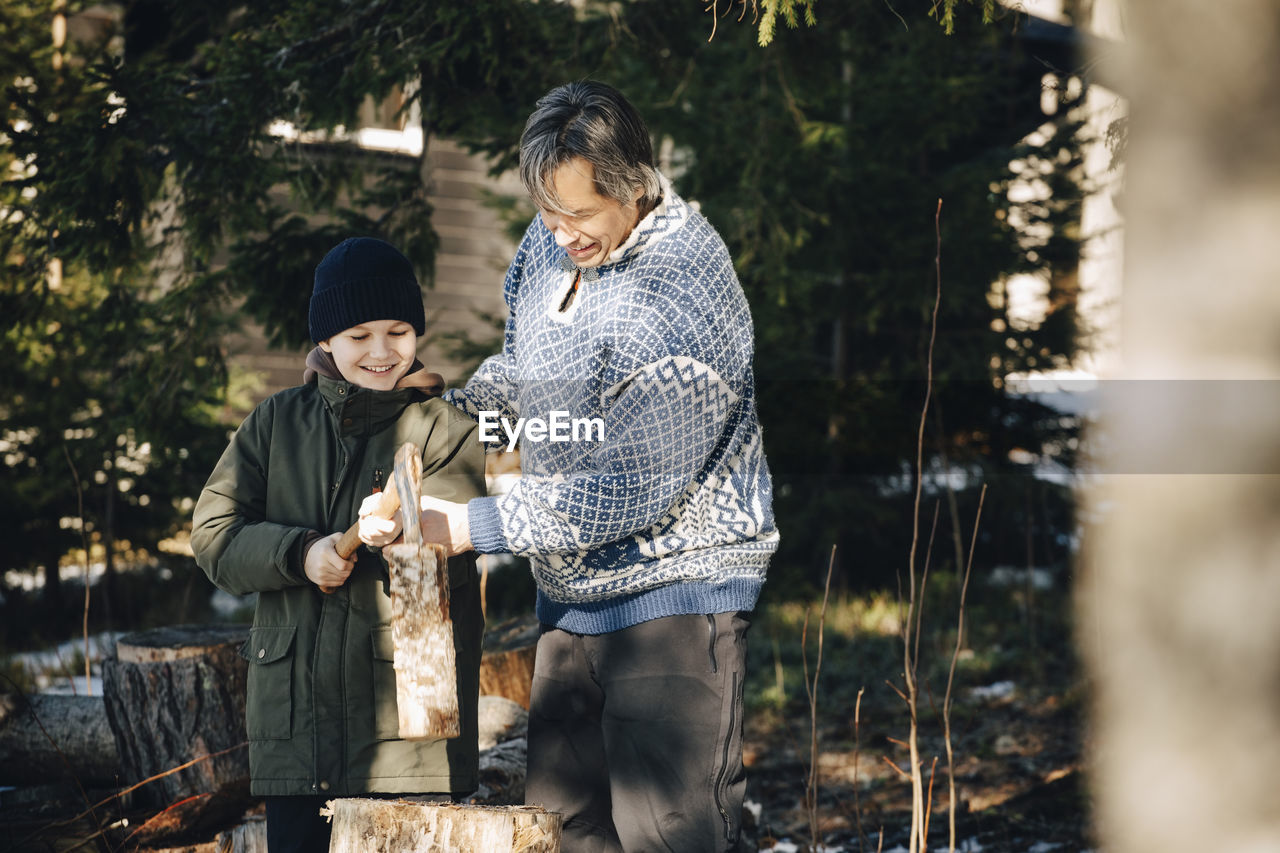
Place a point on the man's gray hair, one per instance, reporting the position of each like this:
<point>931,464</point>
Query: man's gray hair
<point>593,121</point>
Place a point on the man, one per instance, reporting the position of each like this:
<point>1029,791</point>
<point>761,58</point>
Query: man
<point>649,530</point>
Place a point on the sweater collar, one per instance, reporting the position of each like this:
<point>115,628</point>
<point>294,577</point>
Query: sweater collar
<point>671,212</point>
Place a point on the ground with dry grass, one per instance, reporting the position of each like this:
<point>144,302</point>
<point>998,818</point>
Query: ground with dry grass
<point>1017,723</point>
<point>1018,726</point>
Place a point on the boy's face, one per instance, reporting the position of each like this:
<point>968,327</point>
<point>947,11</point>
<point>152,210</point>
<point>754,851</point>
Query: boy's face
<point>376,354</point>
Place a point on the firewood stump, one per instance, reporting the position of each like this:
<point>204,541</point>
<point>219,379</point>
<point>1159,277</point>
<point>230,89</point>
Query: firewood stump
<point>176,696</point>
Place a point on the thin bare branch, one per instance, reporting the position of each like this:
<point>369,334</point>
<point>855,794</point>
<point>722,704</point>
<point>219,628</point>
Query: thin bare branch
<point>909,658</point>
<point>899,17</point>
<point>901,772</point>
<point>857,747</point>
<point>924,579</point>
<point>118,794</point>
<point>168,808</point>
<point>811,787</point>
<point>951,674</point>
<point>928,808</point>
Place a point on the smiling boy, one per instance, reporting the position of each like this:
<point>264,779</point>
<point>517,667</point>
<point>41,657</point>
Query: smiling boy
<point>321,713</point>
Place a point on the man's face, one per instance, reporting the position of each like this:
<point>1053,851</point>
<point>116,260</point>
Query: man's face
<point>376,354</point>
<point>594,225</point>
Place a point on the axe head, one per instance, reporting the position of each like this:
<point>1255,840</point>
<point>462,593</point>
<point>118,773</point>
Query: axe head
<point>407,478</point>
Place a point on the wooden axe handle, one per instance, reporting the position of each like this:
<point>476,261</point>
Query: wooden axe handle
<point>388,504</point>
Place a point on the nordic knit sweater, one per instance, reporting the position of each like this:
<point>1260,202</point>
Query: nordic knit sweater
<point>670,510</point>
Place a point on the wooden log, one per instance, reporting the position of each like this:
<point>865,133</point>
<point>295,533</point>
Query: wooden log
<point>48,738</point>
<point>426,680</point>
<point>421,628</point>
<point>176,696</point>
<point>390,826</point>
<point>506,668</point>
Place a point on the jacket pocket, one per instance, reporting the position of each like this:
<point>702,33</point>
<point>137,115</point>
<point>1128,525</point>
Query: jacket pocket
<point>269,711</point>
<point>386,714</point>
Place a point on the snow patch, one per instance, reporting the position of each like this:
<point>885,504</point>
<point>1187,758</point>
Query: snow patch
<point>1011,576</point>
<point>226,605</point>
<point>786,845</point>
<point>999,690</point>
<point>60,669</point>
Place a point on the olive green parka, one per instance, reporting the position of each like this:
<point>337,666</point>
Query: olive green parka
<point>321,713</point>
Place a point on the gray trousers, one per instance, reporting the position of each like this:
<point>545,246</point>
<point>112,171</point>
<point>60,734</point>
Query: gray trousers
<point>635,737</point>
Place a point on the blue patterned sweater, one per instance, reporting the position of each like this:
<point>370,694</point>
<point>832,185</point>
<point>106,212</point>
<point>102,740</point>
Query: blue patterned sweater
<point>670,510</point>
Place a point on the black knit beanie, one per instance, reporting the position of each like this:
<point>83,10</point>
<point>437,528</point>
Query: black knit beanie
<point>360,280</point>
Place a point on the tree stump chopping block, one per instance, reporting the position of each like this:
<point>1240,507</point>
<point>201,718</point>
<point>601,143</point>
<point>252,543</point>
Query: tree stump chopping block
<point>176,696</point>
<point>389,826</point>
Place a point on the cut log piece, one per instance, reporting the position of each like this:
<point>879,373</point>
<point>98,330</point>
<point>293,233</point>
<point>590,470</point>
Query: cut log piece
<point>47,738</point>
<point>176,696</point>
<point>506,669</point>
<point>389,826</point>
<point>426,681</point>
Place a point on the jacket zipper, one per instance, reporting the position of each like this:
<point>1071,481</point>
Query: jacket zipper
<point>711,641</point>
<point>724,761</point>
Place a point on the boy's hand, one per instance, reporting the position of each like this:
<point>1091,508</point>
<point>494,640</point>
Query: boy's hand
<point>374,531</point>
<point>446,523</point>
<point>324,567</point>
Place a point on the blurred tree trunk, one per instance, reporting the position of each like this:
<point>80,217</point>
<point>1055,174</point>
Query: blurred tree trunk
<point>1181,608</point>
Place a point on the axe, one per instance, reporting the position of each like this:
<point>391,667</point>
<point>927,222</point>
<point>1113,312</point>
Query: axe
<point>408,468</point>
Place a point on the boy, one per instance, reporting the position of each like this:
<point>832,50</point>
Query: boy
<point>321,715</point>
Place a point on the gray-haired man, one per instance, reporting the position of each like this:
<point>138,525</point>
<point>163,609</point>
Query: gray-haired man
<point>650,542</point>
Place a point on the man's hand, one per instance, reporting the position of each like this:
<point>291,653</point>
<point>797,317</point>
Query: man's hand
<point>324,567</point>
<point>374,531</point>
<point>445,523</point>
